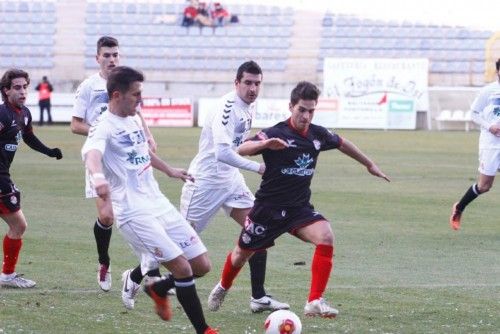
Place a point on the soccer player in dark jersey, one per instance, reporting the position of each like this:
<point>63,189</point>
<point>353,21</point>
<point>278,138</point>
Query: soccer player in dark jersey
<point>15,123</point>
<point>290,151</point>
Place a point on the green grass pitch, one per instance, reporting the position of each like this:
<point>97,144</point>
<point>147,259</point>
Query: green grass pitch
<point>399,268</point>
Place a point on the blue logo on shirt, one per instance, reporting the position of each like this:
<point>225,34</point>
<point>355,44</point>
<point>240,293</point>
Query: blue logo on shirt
<point>302,162</point>
<point>135,159</point>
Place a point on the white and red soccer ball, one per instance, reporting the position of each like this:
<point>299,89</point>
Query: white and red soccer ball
<point>283,322</point>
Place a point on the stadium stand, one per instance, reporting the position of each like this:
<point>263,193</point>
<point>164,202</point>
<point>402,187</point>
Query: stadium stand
<point>450,50</point>
<point>151,35</point>
<point>32,26</point>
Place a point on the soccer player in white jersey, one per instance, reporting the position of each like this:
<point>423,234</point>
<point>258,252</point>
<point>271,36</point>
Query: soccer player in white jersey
<point>219,183</point>
<point>90,102</point>
<point>485,113</point>
<point>120,166</point>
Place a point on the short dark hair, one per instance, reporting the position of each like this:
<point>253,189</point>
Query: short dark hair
<point>121,77</point>
<point>9,76</point>
<point>304,91</point>
<point>498,64</point>
<point>249,67</point>
<point>106,41</point>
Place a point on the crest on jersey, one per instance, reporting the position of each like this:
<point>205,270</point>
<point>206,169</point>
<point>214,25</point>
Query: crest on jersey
<point>25,120</point>
<point>317,144</point>
<point>13,199</point>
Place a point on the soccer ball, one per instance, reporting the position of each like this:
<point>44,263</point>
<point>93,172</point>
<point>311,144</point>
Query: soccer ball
<point>283,322</point>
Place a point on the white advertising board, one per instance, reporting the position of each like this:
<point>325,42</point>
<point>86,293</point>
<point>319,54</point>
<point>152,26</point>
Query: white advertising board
<point>376,93</point>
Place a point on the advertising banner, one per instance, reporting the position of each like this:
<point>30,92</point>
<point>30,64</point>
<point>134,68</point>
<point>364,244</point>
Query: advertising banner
<point>376,93</point>
<point>159,111</point>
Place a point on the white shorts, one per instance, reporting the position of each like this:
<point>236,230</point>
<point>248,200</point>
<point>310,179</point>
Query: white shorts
<point>160,239</point>
<point>200,203</point>
<point>489,161</point>
<point>89,188</point>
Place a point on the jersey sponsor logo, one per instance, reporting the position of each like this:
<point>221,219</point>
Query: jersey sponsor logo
<point>10,147</point>
<point>237,141</point>
<point>132,139</point>
<point>136,159</point>
<point>302,162</point>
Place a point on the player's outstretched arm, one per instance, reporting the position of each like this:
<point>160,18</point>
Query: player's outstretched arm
<point>162,166</point>
<point>33,142</point>
<point>354,152</point>
<point>253,147</point>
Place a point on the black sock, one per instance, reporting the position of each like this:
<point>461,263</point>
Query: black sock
<point>188,298</point>
<point>102,238</point>
<point>154,273</point>
<point>471,194</point>
<point>161,287</point>
<point>258,273</point>
<point>136,275</point>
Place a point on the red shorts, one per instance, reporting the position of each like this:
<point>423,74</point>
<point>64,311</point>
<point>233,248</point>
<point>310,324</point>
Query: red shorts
<point>10,196</point>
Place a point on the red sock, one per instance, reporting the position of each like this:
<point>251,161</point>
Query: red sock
<point>11,249</point>
<point>229,273</point>
<point>321,267</point>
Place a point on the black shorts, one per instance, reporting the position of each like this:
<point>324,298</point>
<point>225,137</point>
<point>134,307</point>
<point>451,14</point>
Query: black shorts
<point>265,224</point>
<point>10,197</point>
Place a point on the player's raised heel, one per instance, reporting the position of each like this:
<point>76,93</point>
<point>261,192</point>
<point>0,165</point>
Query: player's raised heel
<point>216,298</point>
<point>162,304</point>
<point>456,216</point>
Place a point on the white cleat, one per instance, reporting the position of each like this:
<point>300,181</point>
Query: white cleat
<point>129,290</point>
<point>15,281</point>
<point>320,308</point>
<point>104,277</point>
<point>267,303</point>
<point>216,298</point>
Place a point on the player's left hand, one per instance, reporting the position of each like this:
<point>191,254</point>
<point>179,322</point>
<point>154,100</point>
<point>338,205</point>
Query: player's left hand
<point>55,153</point>
<point>182,174</point>
<point>374,170</point>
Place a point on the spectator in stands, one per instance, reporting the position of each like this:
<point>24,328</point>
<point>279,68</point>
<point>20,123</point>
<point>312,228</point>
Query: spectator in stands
<point>203,18</point>
<point>219,15</point>
<point>196,13</point>
<point>190,13</point>
<point>44,89</point>
<point>486,113</point>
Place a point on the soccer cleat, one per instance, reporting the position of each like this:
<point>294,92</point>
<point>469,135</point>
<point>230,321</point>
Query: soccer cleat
<point>319,307</point>
<point>104,277</point>
<point>216,298</point>
<point>455,217</point>
<point>129,290</point>
<point>15,281</point>
<point>267,303</point>
<point>211,330</point>
<point>162,304</point>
